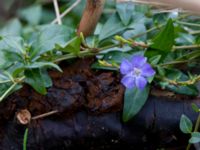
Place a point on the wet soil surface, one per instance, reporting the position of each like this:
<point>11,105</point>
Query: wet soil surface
<point>89,105</point>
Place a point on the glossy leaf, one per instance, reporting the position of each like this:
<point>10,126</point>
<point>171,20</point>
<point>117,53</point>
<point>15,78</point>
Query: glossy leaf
<point>154,60</point>
<point>112,27</point>
<point>125,11</point>
<point>195,138</point>
<point>35,11</point>
<point>164,41</point>
<point>46,78</point>
<point>48,36</point>
<point>43,64</point>
<point>190,90</point>
<point>195,107</point>
<point>73,46</point>
<point>134,100</point>
<point>12,44</point>
<point>13,27</point>
<point>34,79</point>
<point>185,124</point>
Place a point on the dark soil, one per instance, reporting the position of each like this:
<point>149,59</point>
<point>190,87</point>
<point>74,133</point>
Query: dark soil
<point>89,104</point>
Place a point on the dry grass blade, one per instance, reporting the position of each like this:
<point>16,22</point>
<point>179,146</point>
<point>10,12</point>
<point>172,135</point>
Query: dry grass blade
<point>67,11</point>
<point>56,7</point>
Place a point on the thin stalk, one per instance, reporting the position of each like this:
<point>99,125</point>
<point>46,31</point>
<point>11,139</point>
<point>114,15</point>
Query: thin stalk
<point>173,63</point>
<point>45,114</point>
<point>195,32</point>
<point>8,91</point>
<point>11,88</point>
<point>70,56</point>
<point>188,23</point>
<point>108,47</point>
<point>90,52</point>
<point>5,81</point>
<point>186,47</point>
<point>25,139</point>
<point>195,130</point>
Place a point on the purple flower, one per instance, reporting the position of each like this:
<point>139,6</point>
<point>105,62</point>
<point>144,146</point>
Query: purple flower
<point>136,71</point>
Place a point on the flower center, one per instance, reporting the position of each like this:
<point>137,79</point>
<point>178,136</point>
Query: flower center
<point>136,72</point>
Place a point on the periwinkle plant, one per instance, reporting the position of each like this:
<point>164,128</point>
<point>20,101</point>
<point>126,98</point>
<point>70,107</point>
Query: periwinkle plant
<point>135,72</point>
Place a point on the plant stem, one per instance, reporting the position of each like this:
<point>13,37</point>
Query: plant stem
<point>25,139</point>
<point>5,81</point>
<point>173,63</point>
<point>8,91</point>
<point>195,32</point>
<point>186,47</point>
<point>108,47</point>
<point>195,130</point>
<point>11,88</point>
<point>175,82</point>
<point>81,54</point>
<point>188,23</point>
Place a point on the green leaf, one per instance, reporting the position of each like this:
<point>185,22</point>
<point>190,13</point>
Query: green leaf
<point>34,79</point>
<point>18,71</point>
<point>12,44</point>
<point>7,89</point>
<point>137,28</point>
<point>31,14</point>
<point>116,56</point>
<point>13,27</point>
<point>48,36</point>
<point>185,124</point>
<point>195,107</point>
<point>46,78</point>
<point>43,64</point>
<point>11,50</point>
<point>189,55</point>
<point>134,100</point>
<point>73,46</point>
<point>164,41</point>
<point>195,138</point>
<point>125,11</point>
<point>185,39</point>
<point>3,77</point>
<point>10,56</point>
<point>112,27</point>
<point>154,60</point>
<point>190,90</point>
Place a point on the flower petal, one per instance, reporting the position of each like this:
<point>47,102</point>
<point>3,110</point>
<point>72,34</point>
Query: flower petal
<point>138,61</point>
<point>141,82</point>
<point>125,67</point>
<point>128,81</point>
<point>147,70</point>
